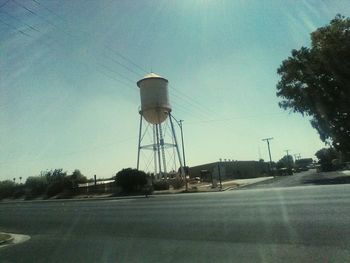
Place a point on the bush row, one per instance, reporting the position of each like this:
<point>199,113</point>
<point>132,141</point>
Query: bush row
<point>47,184</point>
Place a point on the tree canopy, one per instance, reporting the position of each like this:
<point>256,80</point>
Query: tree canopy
<point>315,81</point>
<point>131,180</point>
<point>286,161</point>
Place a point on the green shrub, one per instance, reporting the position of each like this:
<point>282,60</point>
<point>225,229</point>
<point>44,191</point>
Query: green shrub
<point>160,185</point>
<point>7,189</point>
<point>77,178</point>
<point>53,182</point>
<point>131,180</point>
<point>177,183</point>
<point>35,186</point>
<point>59,182</point>
<point>19,191</point>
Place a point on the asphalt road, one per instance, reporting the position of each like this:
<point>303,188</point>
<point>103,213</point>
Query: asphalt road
<point>281,224</point>
<point>307,178</point>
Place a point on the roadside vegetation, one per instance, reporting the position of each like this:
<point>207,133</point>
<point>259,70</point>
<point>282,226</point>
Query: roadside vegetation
<point>48,184</point>
<point>132,181</point>
<point>315,82</point>
<point>59,184</point>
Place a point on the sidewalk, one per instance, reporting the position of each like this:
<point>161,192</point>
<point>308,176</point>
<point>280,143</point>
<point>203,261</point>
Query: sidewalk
<point>232,184</point>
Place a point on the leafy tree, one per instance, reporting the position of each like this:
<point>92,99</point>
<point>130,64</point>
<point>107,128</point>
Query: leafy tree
<point>285,162</point>
<point>177,183</point>
<point>57,182</point>
<point>161,185</point>
<point>55,176</point>
<point>315,82</point>
<point>131,180</point>
<point>303,162</point>
<point>7,188</point>
<point>36,185</point>
<point>326,157</point>
<point>77,178</point>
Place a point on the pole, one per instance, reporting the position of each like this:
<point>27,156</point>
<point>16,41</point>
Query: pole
<point>155,151</point>
<point>219,170</point>
<point>268,146</point>
<point>288,162</point>
<point>139,147</point>
<point>158,148</point>
<point>161,139</point>
<point>182,142</point>
<point>177,149</point>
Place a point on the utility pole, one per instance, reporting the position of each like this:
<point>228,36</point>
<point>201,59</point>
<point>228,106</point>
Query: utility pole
<point>182,142</point>
<point>179,122</point>
<point>268,146</point>
<point>219,170</point>
<point>288,162</point>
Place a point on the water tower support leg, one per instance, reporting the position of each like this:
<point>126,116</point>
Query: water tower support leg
<point>177,148</point>
<point>162,146</point>
<point>139,147</point>
<point>155,151</point>
<point>158,148</point>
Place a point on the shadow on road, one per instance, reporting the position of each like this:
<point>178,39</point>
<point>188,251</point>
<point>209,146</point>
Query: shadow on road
<point>324,181</point>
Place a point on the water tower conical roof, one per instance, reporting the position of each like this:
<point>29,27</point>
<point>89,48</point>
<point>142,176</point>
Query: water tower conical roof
<point>150,76</point>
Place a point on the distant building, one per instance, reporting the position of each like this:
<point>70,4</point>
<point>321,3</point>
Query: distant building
<point>230,170</point>
<point>101,186</point>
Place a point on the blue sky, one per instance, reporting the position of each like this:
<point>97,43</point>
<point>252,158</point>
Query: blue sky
<point>68,72</point>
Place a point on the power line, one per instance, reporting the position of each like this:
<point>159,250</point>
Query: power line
<point>194,103</point>
<point>115,72</point>
<point>1,6</point>
<point>41,17</point>
<point>124,66</point>
<point>15,28</point>
<point>19,20</point>
<point>191,101</point>
<point>32,12</point>
<point>237,118</point>
<point>47,9</point>
<point>107,47</point>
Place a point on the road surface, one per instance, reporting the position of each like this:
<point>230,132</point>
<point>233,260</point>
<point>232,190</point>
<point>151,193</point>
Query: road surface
<point>281,224</point>
<point>307,178</point>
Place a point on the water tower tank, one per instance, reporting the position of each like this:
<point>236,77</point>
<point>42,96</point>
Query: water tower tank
<point>155,104</point>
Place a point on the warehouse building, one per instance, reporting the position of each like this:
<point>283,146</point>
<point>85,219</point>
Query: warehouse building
<point>230,170</point>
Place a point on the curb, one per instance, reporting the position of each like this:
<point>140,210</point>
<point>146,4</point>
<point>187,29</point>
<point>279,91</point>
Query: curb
<point>76,199</point>
<point>252,184</point>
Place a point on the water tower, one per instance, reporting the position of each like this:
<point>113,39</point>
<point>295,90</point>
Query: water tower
<point>159,128</point>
